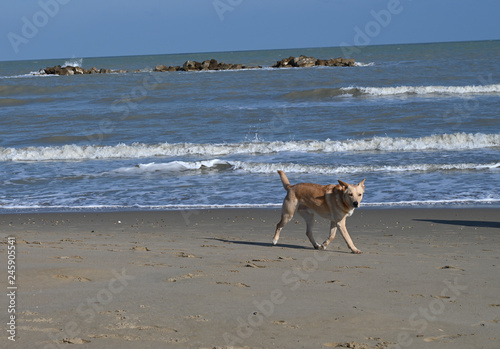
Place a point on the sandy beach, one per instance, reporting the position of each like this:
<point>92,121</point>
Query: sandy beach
<point>427,278</point>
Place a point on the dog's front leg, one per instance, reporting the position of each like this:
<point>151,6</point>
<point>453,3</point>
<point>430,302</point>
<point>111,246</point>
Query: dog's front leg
<point>333,231</point>
<point>345,235</point>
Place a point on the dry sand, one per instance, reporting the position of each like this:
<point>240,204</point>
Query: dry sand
<point>211,279</point>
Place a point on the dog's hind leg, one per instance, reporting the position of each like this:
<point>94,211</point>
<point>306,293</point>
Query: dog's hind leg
<point>308,216</point>
<point>287,212</point>
<point>333,231</point>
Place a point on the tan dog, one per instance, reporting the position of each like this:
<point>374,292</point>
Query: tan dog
<point>333,202</point>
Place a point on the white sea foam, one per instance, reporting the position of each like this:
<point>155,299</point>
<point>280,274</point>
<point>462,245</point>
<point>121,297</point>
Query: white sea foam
<point>420,203</point>
<point>175,166</point>
<point>450,142</point>
<point>271,168</point>
<point>424,90</point>
<point>180,207</point>
<point>32,74</point>
<point>74,62</point>
<point>361,64</point>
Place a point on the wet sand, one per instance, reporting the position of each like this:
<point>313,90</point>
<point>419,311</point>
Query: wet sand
<point>427,278</point>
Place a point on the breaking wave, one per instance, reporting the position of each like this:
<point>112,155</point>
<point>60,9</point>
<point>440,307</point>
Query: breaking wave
<point>216,165</point>
<point>424,90</point>
<point>75,62</point>
<point>394,91</point>
<point>448,142</point>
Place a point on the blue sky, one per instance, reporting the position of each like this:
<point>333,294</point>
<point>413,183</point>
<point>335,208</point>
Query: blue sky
<point>36,29</point>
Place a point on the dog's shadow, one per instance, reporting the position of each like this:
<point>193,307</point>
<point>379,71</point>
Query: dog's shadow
<point>261,244</point>
<point>268,244</point>
<point>477,224</point>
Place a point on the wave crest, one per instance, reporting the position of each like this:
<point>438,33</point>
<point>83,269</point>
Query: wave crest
<point>271,168</point>
<point>449,142</point>
<point>424,90</point>
<point>355,91</point>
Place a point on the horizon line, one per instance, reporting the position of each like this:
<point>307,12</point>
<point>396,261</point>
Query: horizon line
<point>252,50</point>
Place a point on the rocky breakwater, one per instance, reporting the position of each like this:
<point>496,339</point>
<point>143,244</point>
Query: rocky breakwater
<point>70,70</point>
<point>305,62</point>
<point>295,62</point>
<point>202,66</point>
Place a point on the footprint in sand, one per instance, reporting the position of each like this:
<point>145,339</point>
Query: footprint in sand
<point>75,341</point>
<point>71,258</point>
<point>284,323</point>
<point>72,278</point>
<point>356,345</point>
<point>186,255</point>
<point>253,265</point>
<point>184,277</point>
<point>438,338</point>
<point>199,318</point>
<point>338,282</point>
<point>450,267</point>
<point>140,248</point>
<point>239,284</point>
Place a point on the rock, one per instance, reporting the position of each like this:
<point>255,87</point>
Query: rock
<point>334,62</point>
<point>205,65</point>
<point>75,70</point>
<point>341,62</point>
<point>50,70</point>
<point>224,66</point>
<point>296,62</point>
<point>213,64</point>
<point>284,63</point>
<point>304,62</point>
<point>349,62</point>
<point>189,65</point>
<point>161,68</point>
<point>65,71</point>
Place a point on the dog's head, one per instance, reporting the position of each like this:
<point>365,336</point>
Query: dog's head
<point>353,194</point>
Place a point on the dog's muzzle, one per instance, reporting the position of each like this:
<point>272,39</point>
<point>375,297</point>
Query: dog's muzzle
<point>355,204</point>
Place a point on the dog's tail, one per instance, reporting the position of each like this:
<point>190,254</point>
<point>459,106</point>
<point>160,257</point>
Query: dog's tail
<point>284,180</point>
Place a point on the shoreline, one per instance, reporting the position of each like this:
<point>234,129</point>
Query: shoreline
<point>211,279</point>
<point>375,206</point>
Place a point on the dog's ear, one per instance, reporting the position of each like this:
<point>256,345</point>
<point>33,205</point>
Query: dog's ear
<point>362,183</point>
<point>344,184</point>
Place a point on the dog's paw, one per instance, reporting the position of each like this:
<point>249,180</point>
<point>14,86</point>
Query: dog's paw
<point>274,243</point>
<point>320,247</point>
<point>357,252</point>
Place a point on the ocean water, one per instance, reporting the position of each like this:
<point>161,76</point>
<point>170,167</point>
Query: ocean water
<point>420,122</point>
